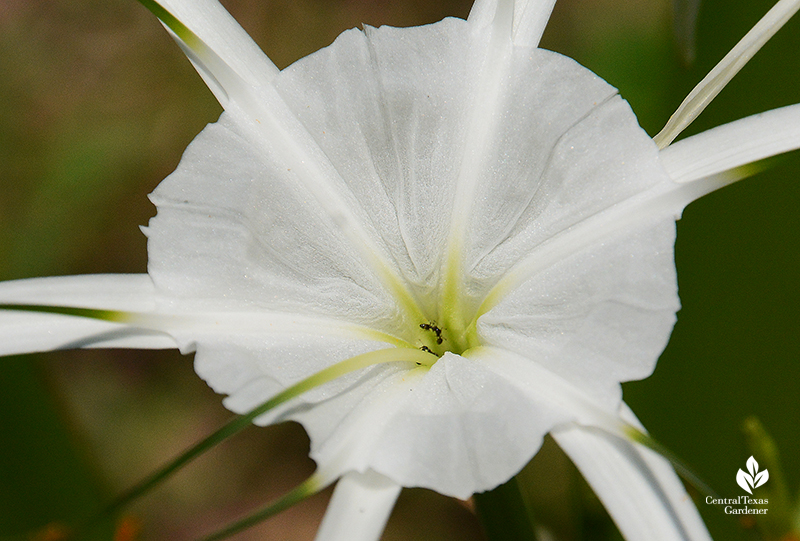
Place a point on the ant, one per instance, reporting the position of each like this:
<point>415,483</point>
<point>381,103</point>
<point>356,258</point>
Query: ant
<point>436,330</point>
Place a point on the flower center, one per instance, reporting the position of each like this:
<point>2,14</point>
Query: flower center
<point>433,341</point>
<point>451,323</point>
<point>437,339</point>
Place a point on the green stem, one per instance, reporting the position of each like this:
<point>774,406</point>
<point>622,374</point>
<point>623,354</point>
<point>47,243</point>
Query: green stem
<point>308,488</point>
<point>237,424</point>
<point>778,524</point>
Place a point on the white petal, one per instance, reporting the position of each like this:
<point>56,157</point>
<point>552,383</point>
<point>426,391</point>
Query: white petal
<point>711,85</point>
<point>272,129</point>
<point>360,506</point>
<point>727,147</point>
<point>515,189</point>
<point>388,109</point>
<point>221,33</point>
<point>530,18</point>
<point>254,241</point>
<point>387,106</point>
<point>598,316</point>
<point>383,123</point>
<point>457,428</point>
<point>247,94</point>
<point>637,486</point>
<point>465,425</point>
<point>122,292</point>
<point>252,367</point>
<point>564,180</point>
<point>548,391</point>
<point>28,332</point>
<point>369,175</point>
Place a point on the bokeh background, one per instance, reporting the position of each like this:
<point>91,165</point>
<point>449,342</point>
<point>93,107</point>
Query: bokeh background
<point>96,107</point>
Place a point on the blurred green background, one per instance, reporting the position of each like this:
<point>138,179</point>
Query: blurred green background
<point>96,107</point>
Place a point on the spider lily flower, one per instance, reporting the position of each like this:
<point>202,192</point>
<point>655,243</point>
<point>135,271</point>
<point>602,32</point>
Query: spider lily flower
<point>458,241</point>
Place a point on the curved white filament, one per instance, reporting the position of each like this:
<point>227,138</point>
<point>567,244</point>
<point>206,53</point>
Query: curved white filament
<point>711,85</point>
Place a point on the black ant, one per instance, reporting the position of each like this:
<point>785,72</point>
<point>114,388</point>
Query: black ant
<point>436,330</point>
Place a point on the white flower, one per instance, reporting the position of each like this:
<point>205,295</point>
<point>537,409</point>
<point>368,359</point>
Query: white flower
<point>474,233</point>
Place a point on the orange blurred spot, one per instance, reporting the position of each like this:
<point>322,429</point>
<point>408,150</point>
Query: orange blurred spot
<point>52,532</point>
<point>128,529</point>
<point>748,522</point>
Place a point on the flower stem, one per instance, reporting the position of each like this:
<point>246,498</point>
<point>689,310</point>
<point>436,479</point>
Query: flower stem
<point>778,524</point>
<point>309,487</point>
<point>415,356</point>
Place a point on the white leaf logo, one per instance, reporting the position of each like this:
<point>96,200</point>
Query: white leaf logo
<point>752,480</point>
